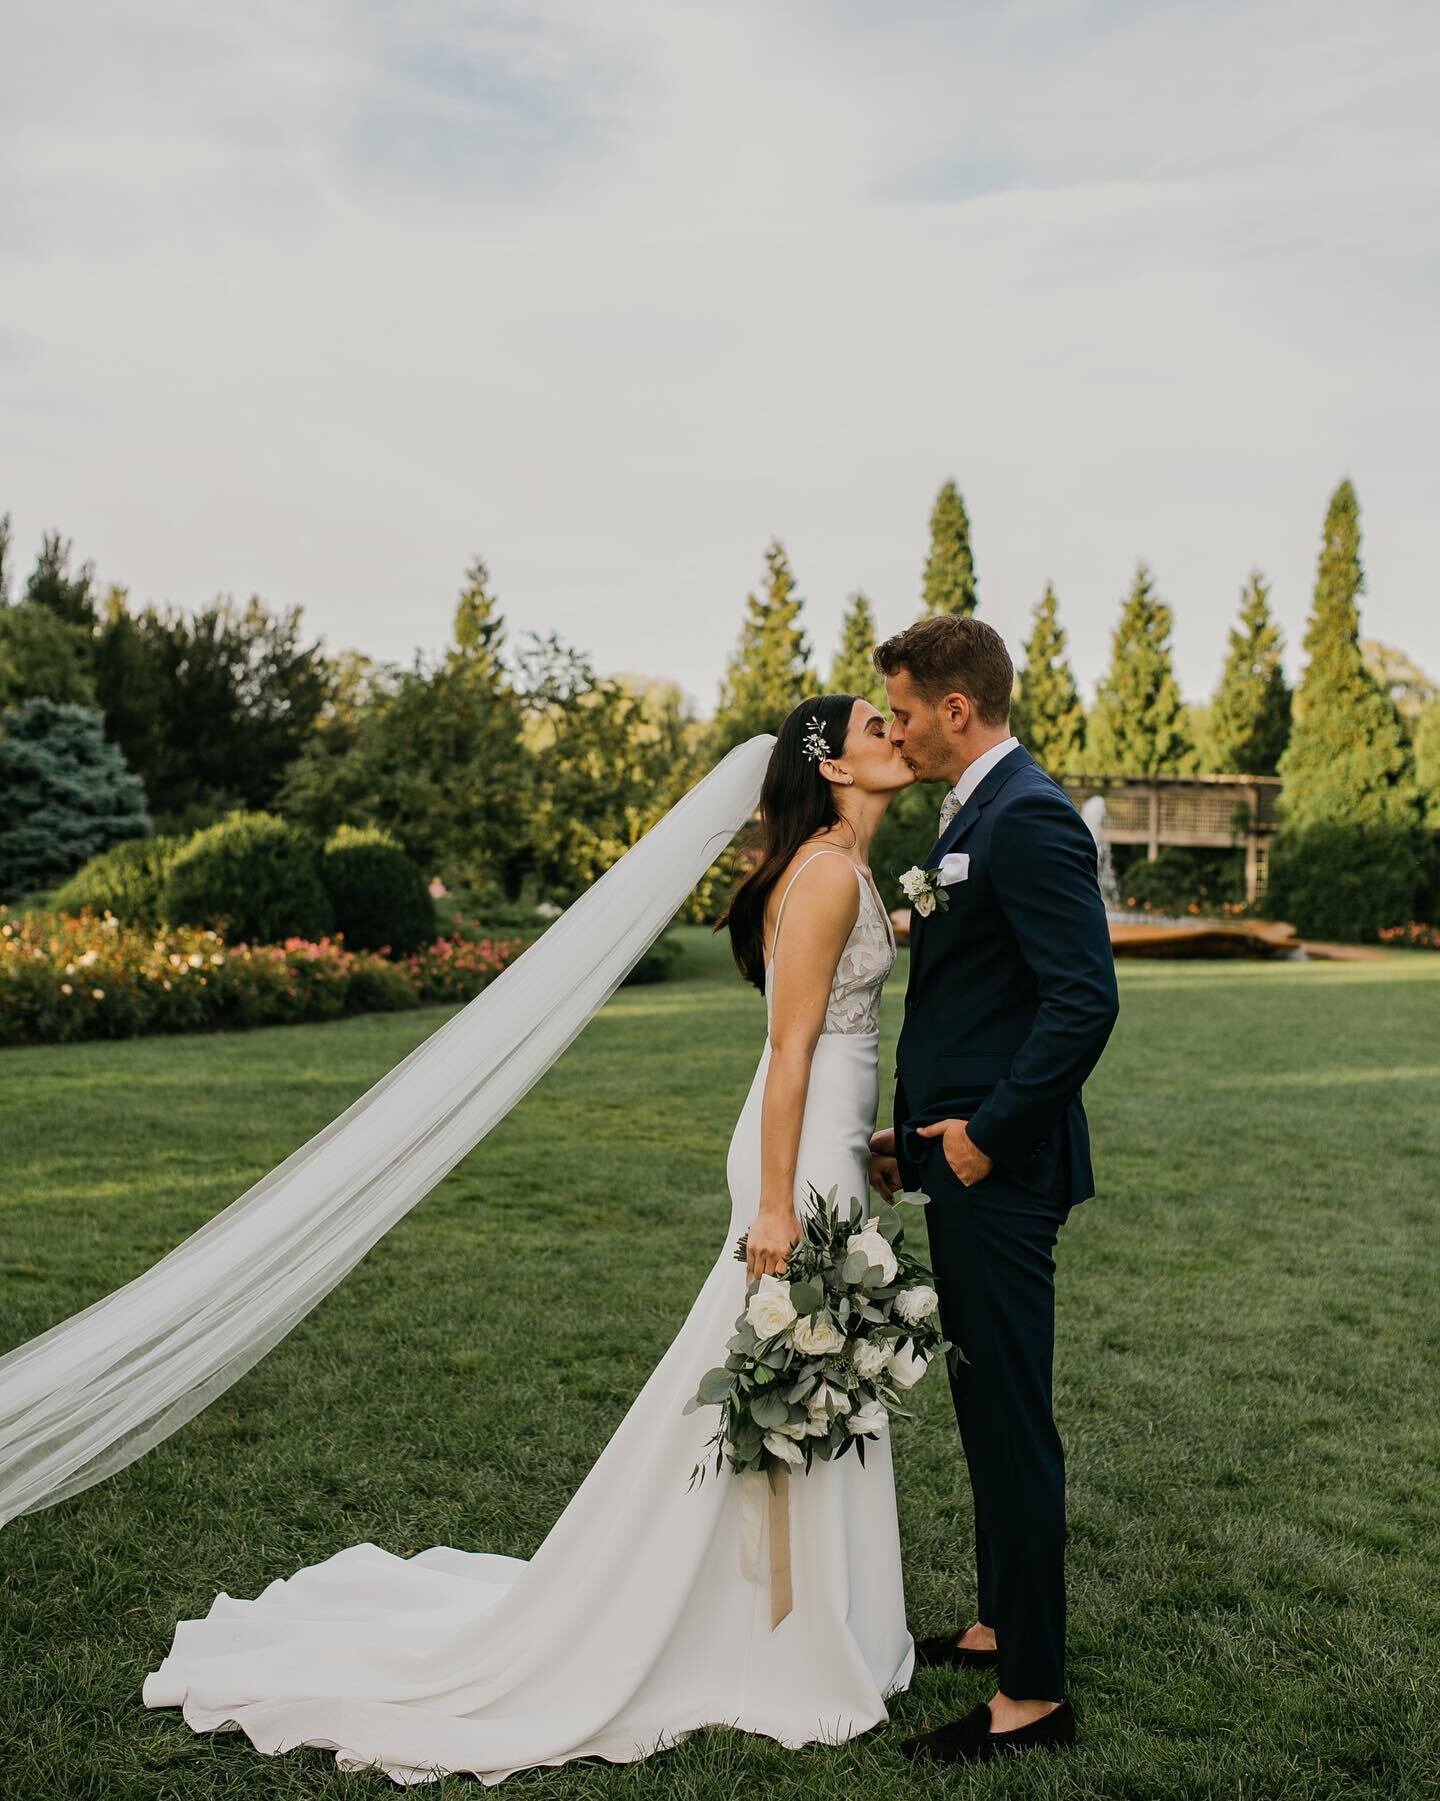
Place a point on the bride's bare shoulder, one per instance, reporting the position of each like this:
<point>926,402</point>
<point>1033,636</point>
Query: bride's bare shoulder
<point>828,888</point>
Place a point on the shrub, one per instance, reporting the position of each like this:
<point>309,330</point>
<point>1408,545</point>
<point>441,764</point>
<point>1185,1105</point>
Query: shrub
<point>254,874</point>
<point>1349,882</point>
<point>378,896</point>
<point>125,880</point>
<point>457,968</point>
<point>656,964</point>
<point>1182,879</point>
<point>72,976</point>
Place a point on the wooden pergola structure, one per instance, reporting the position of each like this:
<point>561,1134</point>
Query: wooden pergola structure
<point>1213,812</point>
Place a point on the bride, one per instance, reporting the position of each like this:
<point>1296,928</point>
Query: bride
<point>639,1619</point>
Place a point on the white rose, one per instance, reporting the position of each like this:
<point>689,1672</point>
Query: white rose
<point>907,1366</point>
<point>870,1357</point>
<point>869,1422</point>
<point>769,1309</point>
<point>877,1251</point>
<point>839,1400</point>
<point>917,1303</point>
<point>791,1429</point>
<point>784,1448</point>
<point>924,903</point>
<point>817,1337</point>
<point>912,883</point>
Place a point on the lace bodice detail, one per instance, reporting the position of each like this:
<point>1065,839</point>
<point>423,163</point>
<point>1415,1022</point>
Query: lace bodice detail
<point>868,957</point>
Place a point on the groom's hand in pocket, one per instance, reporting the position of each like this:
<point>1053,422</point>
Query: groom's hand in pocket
<point>968,1163</point>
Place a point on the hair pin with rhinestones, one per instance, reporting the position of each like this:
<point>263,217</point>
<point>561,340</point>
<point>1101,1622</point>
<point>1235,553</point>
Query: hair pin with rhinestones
<point>815,746</point>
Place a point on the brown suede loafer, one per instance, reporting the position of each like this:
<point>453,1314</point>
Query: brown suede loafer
<point>944,1653</point>
<point>970,1740</point>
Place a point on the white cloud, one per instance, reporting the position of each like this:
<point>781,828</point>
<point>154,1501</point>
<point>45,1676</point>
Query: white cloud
<point>317,301</point>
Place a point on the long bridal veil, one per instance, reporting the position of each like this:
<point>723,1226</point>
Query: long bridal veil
<point>98,1390</point>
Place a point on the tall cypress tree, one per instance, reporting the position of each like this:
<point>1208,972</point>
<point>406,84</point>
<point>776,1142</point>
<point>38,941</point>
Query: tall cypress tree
<point>1347,762</point>
<point>1047,715</point>
<point>1248,721</point>
<point>1137,726</point>
<point>854,671</point>
<point>950,567</point>
<point>479,630</point>
<point>769,672</point>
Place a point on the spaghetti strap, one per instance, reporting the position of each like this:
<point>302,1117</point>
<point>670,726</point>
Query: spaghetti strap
<point>780,910</point>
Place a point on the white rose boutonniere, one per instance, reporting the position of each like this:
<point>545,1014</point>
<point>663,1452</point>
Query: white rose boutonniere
<point>921,887</point>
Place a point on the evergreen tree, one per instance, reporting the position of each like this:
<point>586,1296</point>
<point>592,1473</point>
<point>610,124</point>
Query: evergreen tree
<point>950,567</point>
<point>52,586</point>
<point>479,631</point>
<point>1248,721</point>
<point>42,657</point>
<point>1047,715</point>
<point>64,794</point>
<point>1427,762</point>
<point>1347,761</point>
<point>211,709</point>
<point>433,754</point>
<point>43,652</point>
<point>769,673</point>
<point>854,671</point>
<point>1137,726</point>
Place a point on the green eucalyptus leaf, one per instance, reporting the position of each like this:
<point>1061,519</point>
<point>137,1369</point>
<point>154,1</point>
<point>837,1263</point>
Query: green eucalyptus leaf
<point>805,1297</point>
<point>715,1386</point>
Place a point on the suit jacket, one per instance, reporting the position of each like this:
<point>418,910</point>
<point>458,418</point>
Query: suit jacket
<point>1012,990</point>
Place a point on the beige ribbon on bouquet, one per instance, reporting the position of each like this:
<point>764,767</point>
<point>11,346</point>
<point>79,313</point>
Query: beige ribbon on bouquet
<point>765,1522</point>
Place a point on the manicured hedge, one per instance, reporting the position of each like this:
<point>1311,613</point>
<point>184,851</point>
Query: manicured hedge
<point>126,880</point>
<point>378,897</point>
<point>252,875</point>
<point>1347,882</point>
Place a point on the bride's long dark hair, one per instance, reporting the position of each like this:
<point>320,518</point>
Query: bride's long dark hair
<point>796,802</point>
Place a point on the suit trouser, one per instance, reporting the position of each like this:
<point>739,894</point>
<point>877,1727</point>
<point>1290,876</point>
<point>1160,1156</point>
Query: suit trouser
<point>991,1248</point>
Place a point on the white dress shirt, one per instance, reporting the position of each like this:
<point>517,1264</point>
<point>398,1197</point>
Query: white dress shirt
<point>977,771</point>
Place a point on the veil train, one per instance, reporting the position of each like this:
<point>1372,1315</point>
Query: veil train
<point>98,1390</point>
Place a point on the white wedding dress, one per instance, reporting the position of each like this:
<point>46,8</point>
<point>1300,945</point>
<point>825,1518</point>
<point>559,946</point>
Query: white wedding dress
<point>635,1622</point>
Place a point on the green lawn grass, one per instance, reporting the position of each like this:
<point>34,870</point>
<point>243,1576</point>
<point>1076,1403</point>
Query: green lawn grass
<point>1245,1382</point>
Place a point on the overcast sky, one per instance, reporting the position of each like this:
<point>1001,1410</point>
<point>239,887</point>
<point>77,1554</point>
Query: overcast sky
<point>318,300</point>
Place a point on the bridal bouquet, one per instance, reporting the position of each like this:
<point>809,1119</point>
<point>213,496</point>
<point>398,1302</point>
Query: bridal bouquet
<point>821,1356</point>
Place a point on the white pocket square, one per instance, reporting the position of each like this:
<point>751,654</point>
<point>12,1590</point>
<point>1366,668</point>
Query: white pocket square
<point>954,868</point>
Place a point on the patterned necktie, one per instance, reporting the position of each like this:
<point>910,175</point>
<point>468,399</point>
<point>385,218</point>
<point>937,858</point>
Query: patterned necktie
<point>949,807</point>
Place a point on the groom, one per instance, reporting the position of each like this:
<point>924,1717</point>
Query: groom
<point>1010,1001</point>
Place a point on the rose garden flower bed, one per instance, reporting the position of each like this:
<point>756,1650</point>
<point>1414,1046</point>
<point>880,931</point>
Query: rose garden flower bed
<point>71,976</point>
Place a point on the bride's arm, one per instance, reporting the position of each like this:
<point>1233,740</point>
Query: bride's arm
<point>819,917</point>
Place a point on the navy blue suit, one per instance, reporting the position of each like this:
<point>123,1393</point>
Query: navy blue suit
<point>1010,1002</point>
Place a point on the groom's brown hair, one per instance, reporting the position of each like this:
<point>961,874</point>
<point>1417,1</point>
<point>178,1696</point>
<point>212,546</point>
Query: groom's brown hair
<point>951,653</point>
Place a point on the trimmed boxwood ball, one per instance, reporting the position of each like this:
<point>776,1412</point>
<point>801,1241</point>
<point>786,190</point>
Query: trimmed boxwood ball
<point>125,880</point>
<point>378,894</point>
<point>254,871</point>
